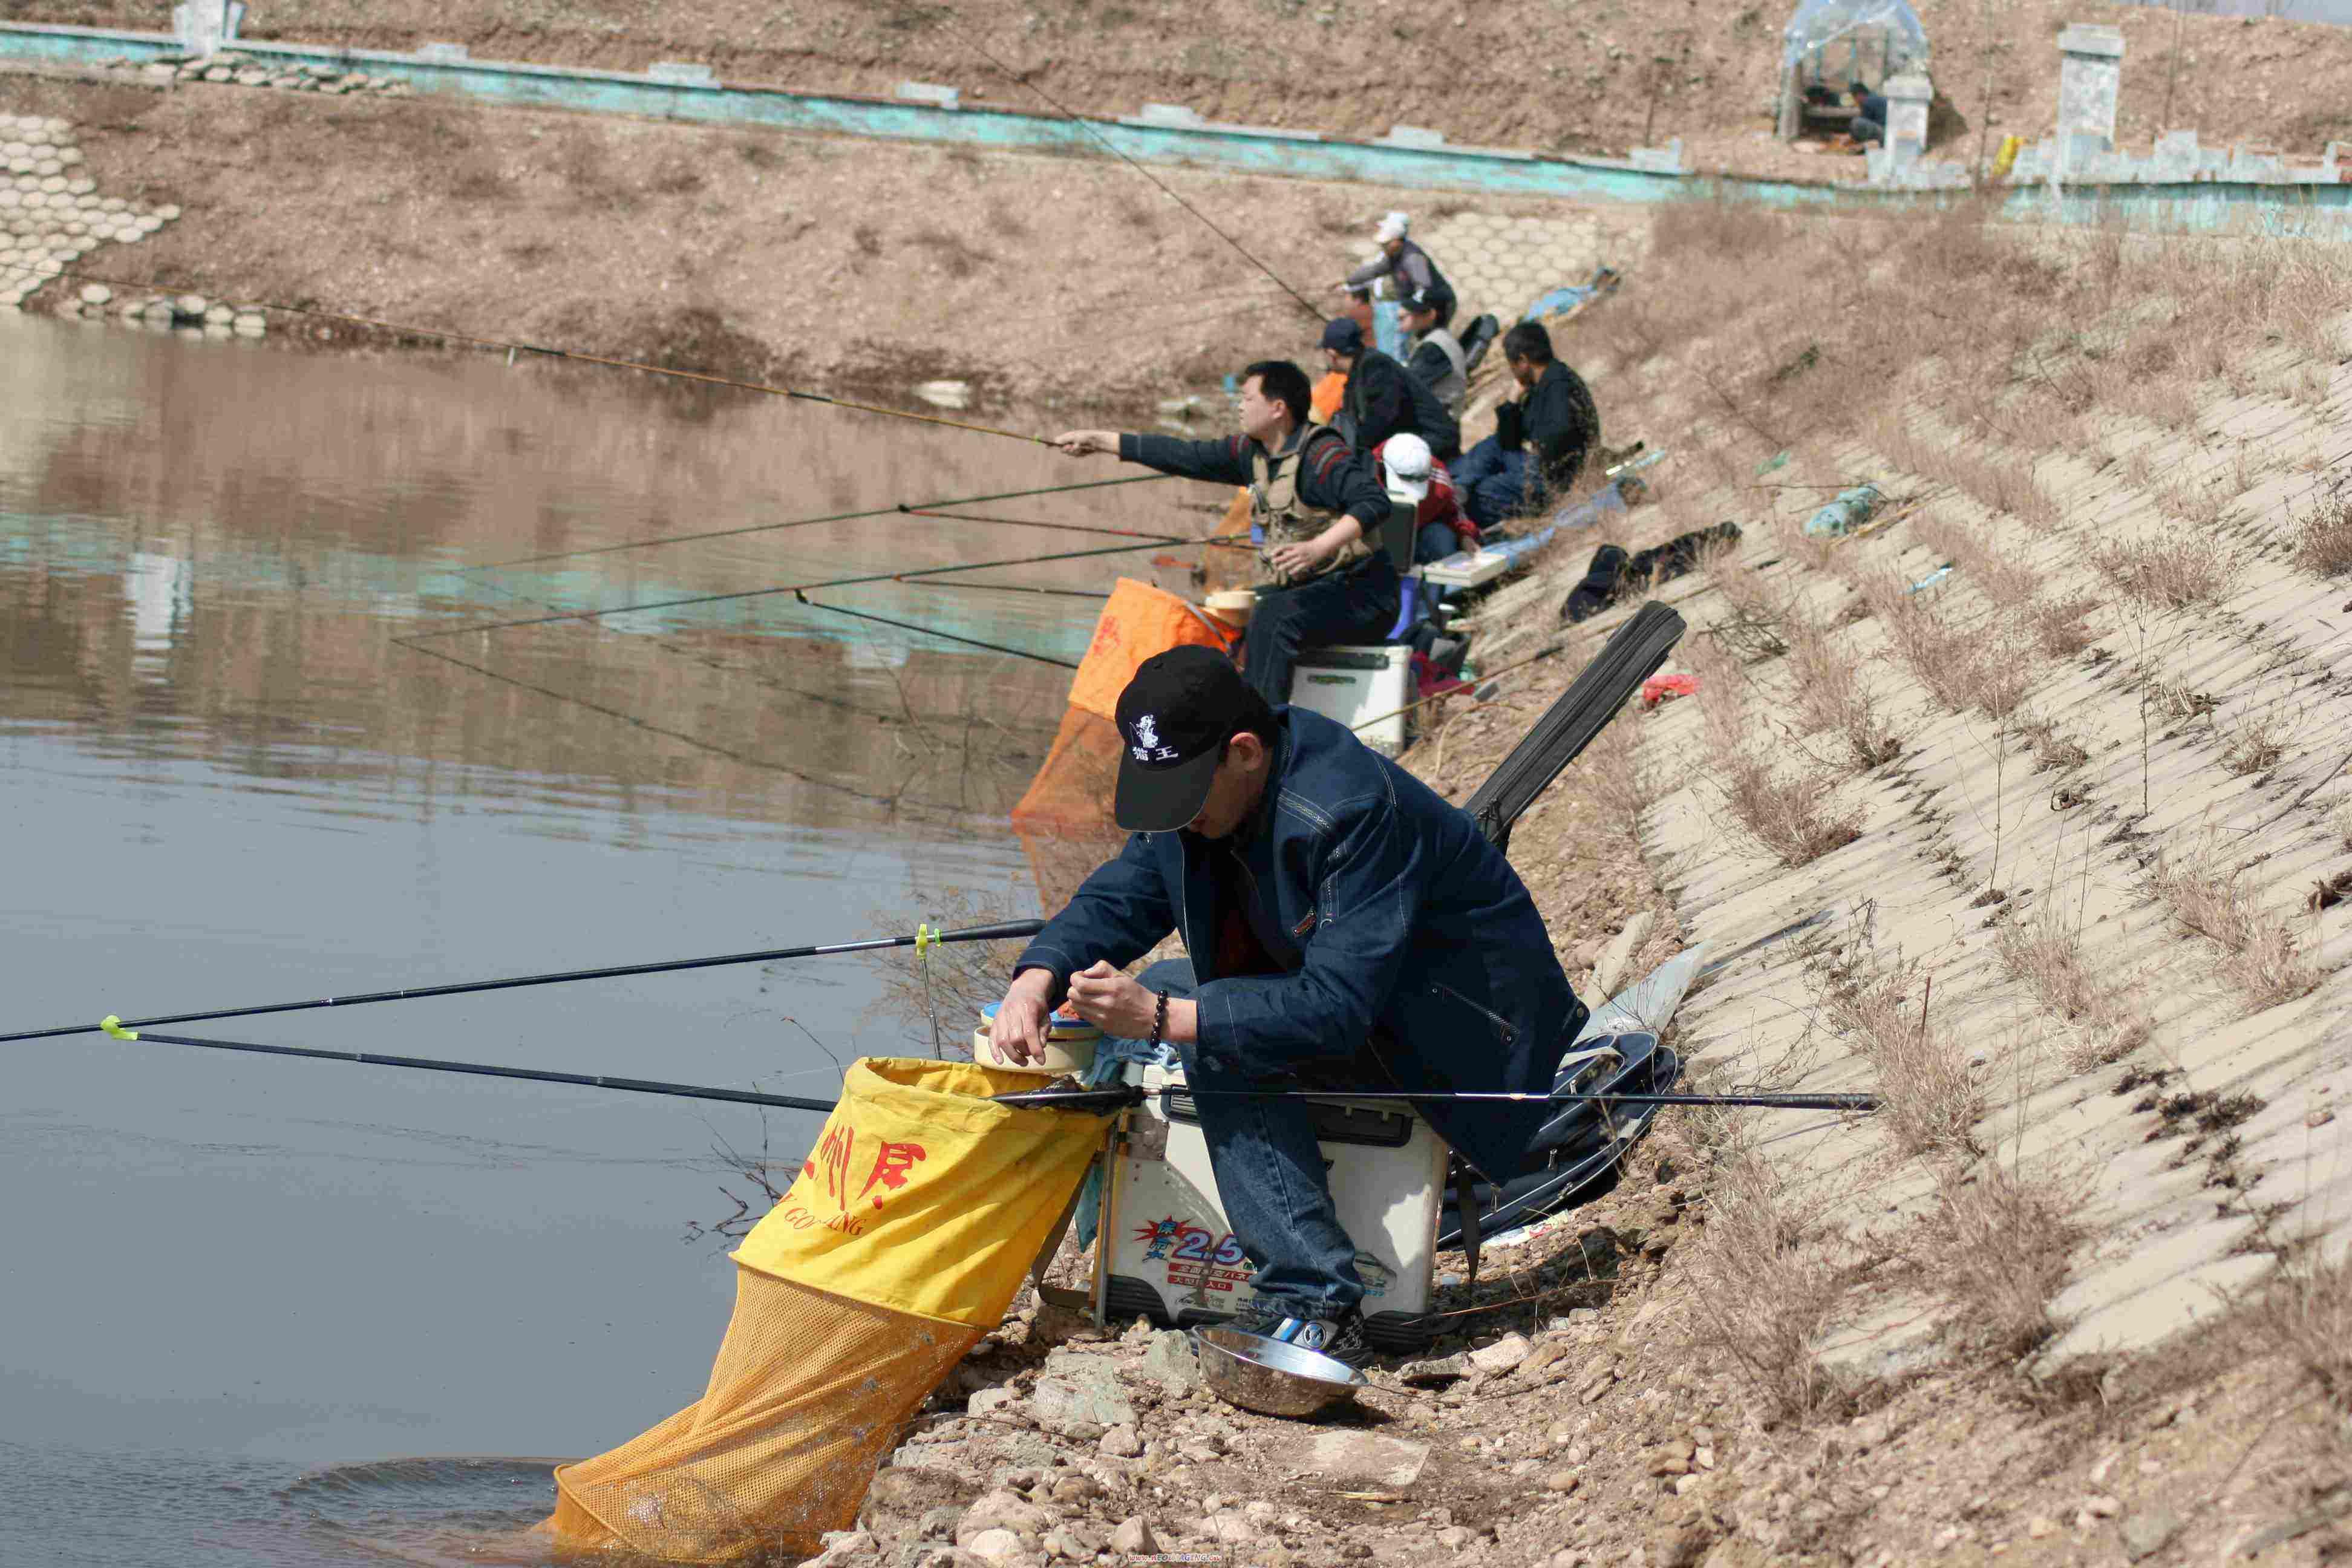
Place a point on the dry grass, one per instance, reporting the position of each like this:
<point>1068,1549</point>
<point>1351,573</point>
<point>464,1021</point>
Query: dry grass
<point>2201,505</point>
<point>1787,811</point>
<point>1975,667</point>
<point>2305,1317</point>
<point>2171,574</point>
<point>2257,742</point>
<point>1769,1275</point>
<point>2047,956</point>
<point>2214,901</point>
<point>2322,536</point>
<point>2056,623</point>
<point>1833,698</point>
<point>2000,1246</point>
<point>1928,1099</point>
<point>2053,748</point>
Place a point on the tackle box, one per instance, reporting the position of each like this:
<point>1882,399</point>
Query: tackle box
<point>1353,685</point>
<point>1168,1253</point>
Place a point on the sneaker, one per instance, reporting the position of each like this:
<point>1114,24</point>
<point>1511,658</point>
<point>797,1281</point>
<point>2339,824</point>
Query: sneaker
<point>1340,1337</point>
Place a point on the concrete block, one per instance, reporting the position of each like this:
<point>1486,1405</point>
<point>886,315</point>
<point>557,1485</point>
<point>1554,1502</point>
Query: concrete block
<point>929,92</point>
<point>1171,115</point>
<point>2156,1315</point>
<point>1412,136</point>
<point>1907,98</point>
<point>442,53</point>
<point>1665,160</point>
<point>682,73</point>
<point>2090,77</point>
<point>2152,1263</point>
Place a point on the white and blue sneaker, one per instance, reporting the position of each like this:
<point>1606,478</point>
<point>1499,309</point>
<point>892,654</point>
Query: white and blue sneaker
<point>1340,1337</point>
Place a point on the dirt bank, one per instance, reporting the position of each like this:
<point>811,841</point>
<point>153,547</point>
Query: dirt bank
<point>1512,73</point>
<point>843,265</point>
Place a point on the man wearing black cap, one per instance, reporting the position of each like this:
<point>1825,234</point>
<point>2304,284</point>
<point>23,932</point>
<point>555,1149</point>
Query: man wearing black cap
<point>1381,399</point>
<point>1316,507</point>
<point>1346,929</point>
<point>1437,359</point>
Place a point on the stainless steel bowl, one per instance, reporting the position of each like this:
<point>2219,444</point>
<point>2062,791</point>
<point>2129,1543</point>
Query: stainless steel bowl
<point>1271,1377</point>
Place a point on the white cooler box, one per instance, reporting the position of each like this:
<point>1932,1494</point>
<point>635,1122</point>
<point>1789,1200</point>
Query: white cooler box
<point>1354,684</point>
<point>1168,1253</point>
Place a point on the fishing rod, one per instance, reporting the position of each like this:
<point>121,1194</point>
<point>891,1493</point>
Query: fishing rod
<point>1113,147</point>
<point>1094,1102</point>
<point>924,936</point>
<point>580,356</point>
<point>690,600</point>
<point>1122,1097</point>
<point>897,509</point>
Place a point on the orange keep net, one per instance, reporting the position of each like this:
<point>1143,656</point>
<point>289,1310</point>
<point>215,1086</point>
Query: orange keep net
<point>901,1244</point>
<point>1064,821</point>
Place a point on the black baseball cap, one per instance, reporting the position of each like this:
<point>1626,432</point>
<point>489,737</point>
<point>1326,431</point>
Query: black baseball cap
<point>1174,719</point>
<point>1342,336</point>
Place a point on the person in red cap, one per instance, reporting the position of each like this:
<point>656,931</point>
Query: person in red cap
<point>1347,928</point>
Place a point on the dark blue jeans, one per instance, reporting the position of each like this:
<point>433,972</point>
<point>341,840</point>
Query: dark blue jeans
<point>1436,542</point>
<point>1492,484</point>
<point>1354,607</point>
<point>1270,1178</point>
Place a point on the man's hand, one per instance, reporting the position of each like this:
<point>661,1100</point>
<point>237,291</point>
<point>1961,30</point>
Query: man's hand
<point>1296,560</point>
<point>1019,1030</point>
<point>1080,443</point>
<point>1102,996</point>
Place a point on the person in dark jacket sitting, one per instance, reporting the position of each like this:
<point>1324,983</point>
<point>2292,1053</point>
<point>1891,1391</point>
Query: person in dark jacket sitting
<point>1540,437</point>
<point>1318,506</point>
<point>1869,122</point>
<point>1347,928</point>
<point>1382,398</point>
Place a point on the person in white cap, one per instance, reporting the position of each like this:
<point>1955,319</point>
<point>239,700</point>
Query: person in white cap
<point>1406,266</point>
<point>1411,473</point>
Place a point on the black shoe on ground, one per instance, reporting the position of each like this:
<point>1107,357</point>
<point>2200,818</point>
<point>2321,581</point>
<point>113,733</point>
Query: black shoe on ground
<point>1340,1337</point>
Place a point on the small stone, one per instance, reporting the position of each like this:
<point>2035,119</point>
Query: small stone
<point>96,293</point>
<point>1133,1538</point>
<point>2041,1527</point>
<point>1122,1442</point>
<point>988,1400</point>
<point>1704,1458</point>
<point>1683,1484</point>
<point>1562,1482</point>
<point>2319,1119</point>
<point>1454,1538</point>
<point>1504,1354</point>
<point>2098,1505</point>
<point>994,1546</point>
<point>2146,1534</point>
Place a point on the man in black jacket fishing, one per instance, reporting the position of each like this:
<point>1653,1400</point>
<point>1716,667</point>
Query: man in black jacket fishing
<point>1382,398</point>
<point>1347,927</point>
<point>1540,437</point>
<point>1317,506</point>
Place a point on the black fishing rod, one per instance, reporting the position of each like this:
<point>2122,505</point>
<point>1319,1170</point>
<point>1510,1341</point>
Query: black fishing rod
<point>1121,1097</point>
<point>1094,1102</point>
<point>114,1027</point>
<point>924,936</point>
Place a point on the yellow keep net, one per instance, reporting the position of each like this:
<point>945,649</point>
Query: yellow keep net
<point>900,1242</point>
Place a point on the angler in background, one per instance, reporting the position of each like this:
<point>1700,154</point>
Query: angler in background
<point>1440,528</point>
<point>1540,439</point>
<point>1405,265</point>
<point>1382,399</point>
<point>1347,928</point>
<point>1435,355</point>
<point>1315,505</point>
<point>1333,388</point>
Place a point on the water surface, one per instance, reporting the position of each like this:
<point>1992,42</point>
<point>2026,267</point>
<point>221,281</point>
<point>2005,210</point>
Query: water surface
<point>281,1312</point>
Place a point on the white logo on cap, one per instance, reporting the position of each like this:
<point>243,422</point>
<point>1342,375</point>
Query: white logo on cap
<point>1146,747</point>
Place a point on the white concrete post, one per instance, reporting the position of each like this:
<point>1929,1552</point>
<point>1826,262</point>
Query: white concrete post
<point>206,26</point>
<point>1907,98</point>
<point>2089,78</point>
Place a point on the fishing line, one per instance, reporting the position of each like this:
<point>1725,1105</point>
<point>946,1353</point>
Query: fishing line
<point>1010,588</point>
<point>924,936</point>
<point>693,599</point>
<point>1082,124</point>
<point>580,356</point>
<point>1057,527</point>
<point>933,632</point>
<point>1132,1095</point>
<point>807,522</point>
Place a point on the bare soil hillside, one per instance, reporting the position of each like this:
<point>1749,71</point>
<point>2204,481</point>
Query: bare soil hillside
<point>1519,73</point>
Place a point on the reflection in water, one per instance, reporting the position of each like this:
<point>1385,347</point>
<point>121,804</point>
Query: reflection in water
<point>232,775</point>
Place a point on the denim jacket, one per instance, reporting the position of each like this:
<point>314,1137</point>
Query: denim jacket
<point>1413,935</point>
